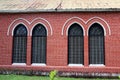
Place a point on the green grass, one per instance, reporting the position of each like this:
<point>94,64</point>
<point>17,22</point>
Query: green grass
<point>21,77</point>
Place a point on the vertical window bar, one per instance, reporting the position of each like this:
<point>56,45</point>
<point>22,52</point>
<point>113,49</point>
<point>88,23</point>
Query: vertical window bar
<point>96,44</point>
<point>39,38</point>
<point>19,44</point>
<point>75,45</point>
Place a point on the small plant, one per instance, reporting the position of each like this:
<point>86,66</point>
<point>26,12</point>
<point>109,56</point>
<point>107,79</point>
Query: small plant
<point>119,77</point>
<point>53,74</point>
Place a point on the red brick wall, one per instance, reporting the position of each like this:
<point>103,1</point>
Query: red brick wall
<point>57,39</point>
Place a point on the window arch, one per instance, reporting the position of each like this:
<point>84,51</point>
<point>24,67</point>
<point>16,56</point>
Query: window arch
<point>39,38</point>
<point>75,44</point>
<point>96,44</point>
<point>19,44</point>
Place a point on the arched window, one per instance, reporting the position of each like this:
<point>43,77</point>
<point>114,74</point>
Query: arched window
<point>96,44</point>
<point>75,44</point>
<point>39,38</point>
<point>19,44</point>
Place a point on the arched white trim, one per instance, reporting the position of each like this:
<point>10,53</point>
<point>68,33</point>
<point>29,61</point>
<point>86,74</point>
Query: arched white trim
<point>14,22</point>
<point>99,24</point>
<point>36,25</point>
<point>51,30</point>
<point>69,20</point>
<point>78,24</point>
<point>17,25</point>
<point>86,22</point>
<point>46,22</point>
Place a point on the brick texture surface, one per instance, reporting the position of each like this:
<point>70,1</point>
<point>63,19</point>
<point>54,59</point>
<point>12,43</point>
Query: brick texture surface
<point>57,25</point>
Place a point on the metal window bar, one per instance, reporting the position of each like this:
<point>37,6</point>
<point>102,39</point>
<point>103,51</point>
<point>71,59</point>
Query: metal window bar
<point>19,44</point>
<point>75,45</point>
<point>38,49</point>
<point>39,40</point>
<point>96,45</point>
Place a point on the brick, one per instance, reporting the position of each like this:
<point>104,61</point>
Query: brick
<point>57,52</point>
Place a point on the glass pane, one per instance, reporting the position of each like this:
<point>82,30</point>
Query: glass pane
<point>19,44</point>
<point>96,44</point>
<point>75,45</point>
<point>39,44</point>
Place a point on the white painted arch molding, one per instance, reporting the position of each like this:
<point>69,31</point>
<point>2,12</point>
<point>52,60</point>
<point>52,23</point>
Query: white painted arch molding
<point>16,22</point>
<point>25,22</point>
<point>86,23</point>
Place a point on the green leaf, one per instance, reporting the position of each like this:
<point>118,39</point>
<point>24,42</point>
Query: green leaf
<point>52,74</point>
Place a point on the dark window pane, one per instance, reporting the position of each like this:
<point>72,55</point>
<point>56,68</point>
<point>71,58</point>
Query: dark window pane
<point>96,44</point>
<point>39,30</point>
<point>75,45</point>
<point>39,44</point>
<point>20,30</point>
<point>19,44</point>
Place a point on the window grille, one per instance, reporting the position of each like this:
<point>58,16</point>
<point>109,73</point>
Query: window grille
<point>39,38</point>
<point>96,44</point>
<point>75,45</point>
<point>19,44</point>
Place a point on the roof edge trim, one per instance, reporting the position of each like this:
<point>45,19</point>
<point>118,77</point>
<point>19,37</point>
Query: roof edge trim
<point>64,10</point>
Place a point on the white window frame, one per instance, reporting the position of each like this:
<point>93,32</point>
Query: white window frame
<point>38,64</point>
<point>81,65</point>
<point>96,65</point>
<point>19,64</point>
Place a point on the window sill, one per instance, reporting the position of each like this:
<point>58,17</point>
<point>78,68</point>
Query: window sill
<point>19,64</point>
<point>81,65</point>
<point>38,64</point>
<point>97,65</point>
